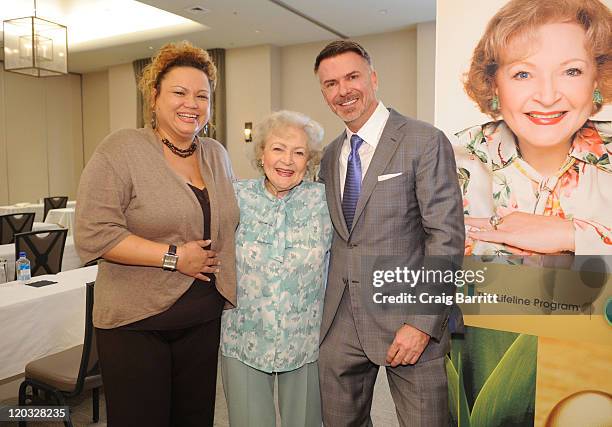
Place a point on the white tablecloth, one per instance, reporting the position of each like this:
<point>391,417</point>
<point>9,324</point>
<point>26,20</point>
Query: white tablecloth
<point>35,322</point>
<point>69,262</point>
<point>37,208</point>
<point>42,226</point>
<point>63,217</point>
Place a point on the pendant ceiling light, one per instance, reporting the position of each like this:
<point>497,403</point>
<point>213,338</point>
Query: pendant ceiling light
<point>35,47</point>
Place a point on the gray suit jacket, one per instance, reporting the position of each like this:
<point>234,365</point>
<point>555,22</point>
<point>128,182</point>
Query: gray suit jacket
<point>398,221</point>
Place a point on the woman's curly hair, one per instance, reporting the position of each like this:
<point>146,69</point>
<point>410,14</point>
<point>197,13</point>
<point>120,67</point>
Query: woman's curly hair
<point>171,55</point>
<point>521,18</point>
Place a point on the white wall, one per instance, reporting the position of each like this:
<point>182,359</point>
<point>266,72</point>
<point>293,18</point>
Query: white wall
<point>454,111</point>
<point>96,111</point>
<point>252,93</point>
<point>40,136</point>
<point>122,97</point>
<point>426,70</point>
<point>50,126</point>
<point>64,135</point>
<point>109,104</point>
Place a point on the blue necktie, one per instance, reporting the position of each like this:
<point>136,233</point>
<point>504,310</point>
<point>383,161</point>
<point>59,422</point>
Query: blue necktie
<point>352,183</point>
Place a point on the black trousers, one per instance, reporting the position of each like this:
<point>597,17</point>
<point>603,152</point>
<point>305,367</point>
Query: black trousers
<point>160,378</point>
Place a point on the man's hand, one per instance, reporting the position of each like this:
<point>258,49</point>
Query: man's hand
<point>407,346</point>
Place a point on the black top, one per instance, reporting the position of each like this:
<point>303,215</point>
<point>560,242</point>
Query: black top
<point>201,303</point>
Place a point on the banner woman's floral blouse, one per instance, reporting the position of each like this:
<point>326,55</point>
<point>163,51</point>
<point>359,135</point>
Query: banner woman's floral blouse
<point>492,175</point>
<point>281,257</point>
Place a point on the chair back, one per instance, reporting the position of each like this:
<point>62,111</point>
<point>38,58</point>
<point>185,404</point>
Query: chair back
<point>89,359</point>
<point>57,202</point>
<point>15,223</point>
<point>44,249</point>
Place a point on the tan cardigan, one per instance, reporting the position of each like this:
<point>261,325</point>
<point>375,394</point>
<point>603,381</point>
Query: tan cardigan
<point>127,188</point>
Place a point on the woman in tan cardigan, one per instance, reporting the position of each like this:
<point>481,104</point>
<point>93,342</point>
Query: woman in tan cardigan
<point>157,205</point>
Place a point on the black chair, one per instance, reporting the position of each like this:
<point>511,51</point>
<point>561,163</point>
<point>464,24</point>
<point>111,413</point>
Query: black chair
<point>64,375</point>
<point>57,202</point>
<point>44,249</point>
<point>15,223</point>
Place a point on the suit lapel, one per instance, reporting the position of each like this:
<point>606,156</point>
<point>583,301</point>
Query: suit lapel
<point>335,210</point>
<point>385,150</point>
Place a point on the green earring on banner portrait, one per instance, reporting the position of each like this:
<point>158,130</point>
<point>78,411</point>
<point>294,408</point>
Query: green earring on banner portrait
<point>597,98</point>
<point>495,103</point>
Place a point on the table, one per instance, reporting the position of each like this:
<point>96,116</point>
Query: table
<point>37,208</point>
<point>63,217</point>
<point>70,261</point>
<point>42,226</point>
<point>35,322</point>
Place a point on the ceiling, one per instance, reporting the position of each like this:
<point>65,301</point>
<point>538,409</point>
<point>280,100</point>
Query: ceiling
<point>215,24</point>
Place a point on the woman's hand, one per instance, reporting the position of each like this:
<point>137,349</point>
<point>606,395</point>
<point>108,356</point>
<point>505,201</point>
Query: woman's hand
<point>194,260</point>
<point>522,232</point>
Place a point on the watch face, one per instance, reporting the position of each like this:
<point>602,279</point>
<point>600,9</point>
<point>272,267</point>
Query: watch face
<point>169,262</point>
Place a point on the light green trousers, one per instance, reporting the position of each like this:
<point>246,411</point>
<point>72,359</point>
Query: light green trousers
<point>250,395</point>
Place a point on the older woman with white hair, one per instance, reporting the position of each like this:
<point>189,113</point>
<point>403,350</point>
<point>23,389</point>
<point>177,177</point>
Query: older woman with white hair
<point>538,180</point>
<point>281,256</point>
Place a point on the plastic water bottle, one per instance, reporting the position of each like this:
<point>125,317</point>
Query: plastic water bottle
<point>22,266</point>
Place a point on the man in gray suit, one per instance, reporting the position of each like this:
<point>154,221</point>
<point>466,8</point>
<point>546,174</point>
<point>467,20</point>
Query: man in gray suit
<point>394,200</point>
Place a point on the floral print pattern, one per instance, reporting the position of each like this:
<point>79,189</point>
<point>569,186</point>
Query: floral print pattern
<point>282,247</point>
<point>494,178</point>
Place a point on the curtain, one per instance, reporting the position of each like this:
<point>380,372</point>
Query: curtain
<point>217,126</point>
<point>139,65</point>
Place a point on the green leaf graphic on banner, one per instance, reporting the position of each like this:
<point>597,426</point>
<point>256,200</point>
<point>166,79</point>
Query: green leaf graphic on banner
<point>485,348</point>
<point>453,389</point>
<point>459,409</point>
<point>507,397</point>
<point>458,343</point>
<point>464,409</point>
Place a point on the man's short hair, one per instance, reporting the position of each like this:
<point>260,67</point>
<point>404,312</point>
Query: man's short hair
<point>339,47</point>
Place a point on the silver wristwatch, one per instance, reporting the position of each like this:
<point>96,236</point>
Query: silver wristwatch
<point>170,259</point>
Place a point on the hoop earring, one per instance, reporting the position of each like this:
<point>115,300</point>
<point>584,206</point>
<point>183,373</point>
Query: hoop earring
<point>495,103</point>
<point>597,98</point>
<point>153,119</point>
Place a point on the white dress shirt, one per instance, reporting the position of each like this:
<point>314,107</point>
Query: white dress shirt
<point>370,132</point>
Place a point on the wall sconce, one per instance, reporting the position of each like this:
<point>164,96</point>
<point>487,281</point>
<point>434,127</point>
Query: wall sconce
<point>248,129</point>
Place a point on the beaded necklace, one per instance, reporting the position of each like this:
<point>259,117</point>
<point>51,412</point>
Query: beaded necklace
<point>178,151</point>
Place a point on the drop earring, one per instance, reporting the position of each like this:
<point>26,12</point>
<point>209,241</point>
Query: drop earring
<point>495,103</point>
<point>597,98</point>
<point>153,119</point>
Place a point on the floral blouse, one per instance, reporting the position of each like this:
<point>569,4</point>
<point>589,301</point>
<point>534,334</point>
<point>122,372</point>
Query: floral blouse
<point>281,258</point>
<point>492,175</point>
